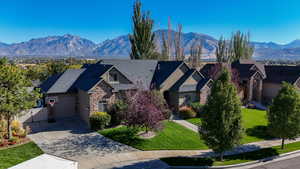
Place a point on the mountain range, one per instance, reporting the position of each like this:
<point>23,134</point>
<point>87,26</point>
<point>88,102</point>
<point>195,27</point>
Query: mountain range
<point>119,47</point>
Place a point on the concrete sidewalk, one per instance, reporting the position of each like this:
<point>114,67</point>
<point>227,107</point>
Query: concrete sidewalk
<point>186,124</point>
<point>114,160</point>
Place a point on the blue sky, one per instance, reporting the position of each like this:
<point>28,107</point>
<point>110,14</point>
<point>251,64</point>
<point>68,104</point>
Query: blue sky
<point>98,20</point>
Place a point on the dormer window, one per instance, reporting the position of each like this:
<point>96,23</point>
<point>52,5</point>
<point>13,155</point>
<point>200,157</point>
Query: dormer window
<point>114,78</point>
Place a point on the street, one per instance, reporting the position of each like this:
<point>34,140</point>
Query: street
<point>293,163</point>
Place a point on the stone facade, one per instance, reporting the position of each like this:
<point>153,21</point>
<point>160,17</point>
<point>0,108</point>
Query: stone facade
<point>102,92</point>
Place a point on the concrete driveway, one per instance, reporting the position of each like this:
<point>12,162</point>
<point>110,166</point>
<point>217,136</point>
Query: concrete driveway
<point>71,139</point>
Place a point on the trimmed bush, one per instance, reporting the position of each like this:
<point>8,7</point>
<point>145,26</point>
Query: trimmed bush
<point>197,107</point>
<point>187,112</point>
<point>99,120</point>
<point>116,112</point>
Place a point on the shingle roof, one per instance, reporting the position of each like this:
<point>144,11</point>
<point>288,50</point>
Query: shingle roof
<point>179,82</point>
<point>141,71</point>
<point>279,74</point>
<point>243,66</point>
<point>73,79</point>
<point>45,86</point>
<point>206,69</point>
<point>164,70</point>
<point>61,83</point>
<point>90,77</point>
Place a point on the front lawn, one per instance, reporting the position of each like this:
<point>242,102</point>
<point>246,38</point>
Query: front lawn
<point>172,137</point>
<point>232,159</point>
<point>254,123</point>
<point>13,156</point>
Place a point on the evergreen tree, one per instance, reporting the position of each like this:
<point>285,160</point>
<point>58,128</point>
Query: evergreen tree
<point>221,127</point>
<point>284,114</point>
<point>14,94</point>
<point>3,61</point>
<point>142,39</point>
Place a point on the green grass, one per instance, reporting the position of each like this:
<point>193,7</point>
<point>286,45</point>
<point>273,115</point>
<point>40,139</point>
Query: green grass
<point>12,156</point>
<point>172,137</point>
<point>254,123</point>
<point>232,159</point>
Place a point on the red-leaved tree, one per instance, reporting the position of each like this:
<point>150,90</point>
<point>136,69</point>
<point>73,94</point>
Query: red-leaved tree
<point>145,109</point>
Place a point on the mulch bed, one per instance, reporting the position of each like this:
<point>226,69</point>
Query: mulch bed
<point>8,144</point>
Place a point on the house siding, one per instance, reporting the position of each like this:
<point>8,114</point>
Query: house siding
<point>174,77</point>
<point>84,106</point>
<point>270,90</point>
<point>204,93</point>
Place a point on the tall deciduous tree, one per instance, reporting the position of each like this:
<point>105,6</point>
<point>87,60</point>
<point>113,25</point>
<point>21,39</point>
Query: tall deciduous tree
<point>195,58</point>
<point>240,46</point>
<point>14,94</point>
<point>179,51</point>
<point>284,114</point>
<point>221,127</point>
<point>142,39</point>
<point>222,51</point>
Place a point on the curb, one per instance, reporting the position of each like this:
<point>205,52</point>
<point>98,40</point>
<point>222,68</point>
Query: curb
<point>240,165</point>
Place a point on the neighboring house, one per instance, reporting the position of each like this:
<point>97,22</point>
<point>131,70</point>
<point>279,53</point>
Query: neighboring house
<point>80,92</point>
<point>250,76</point>
<point>275,76</point>
<point>258,82</point>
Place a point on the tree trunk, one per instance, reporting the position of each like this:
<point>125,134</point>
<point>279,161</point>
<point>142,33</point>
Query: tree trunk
<point>282,143</point>
<point>222,156</point>
<point>9,132</point>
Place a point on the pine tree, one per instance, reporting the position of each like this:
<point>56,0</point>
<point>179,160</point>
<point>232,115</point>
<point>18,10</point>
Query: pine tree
<point>221,127</point>
<point>14,95</point>
<point>142,39</point>
<point>284,114</point>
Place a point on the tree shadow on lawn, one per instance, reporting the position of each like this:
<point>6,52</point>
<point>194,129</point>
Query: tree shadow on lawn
<point>125,136</point>
<point>259,132</point>
<point>228,159</point>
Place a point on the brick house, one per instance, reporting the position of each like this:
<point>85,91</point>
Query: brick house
<point>275,76</point>
<point>258,82</point>
<point>250,75</point>
<point>80,92</point>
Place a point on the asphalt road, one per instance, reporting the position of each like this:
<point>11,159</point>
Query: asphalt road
<point>293,163</point>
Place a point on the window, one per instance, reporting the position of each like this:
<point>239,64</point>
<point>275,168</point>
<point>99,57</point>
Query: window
<point>102,106</point>
<point>114,77</point>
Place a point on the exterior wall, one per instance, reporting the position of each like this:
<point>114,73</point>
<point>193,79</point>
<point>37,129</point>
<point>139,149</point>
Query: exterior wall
<point>121,78</point>
<point>186,98</point>
<point>65,105</point>
<point>102,92</point>
<point>34,115</point>
<point>176,75</point>
<point>173,101</point>
<point>84,105</point>
<point>270,90</point>
<point>204,93</point>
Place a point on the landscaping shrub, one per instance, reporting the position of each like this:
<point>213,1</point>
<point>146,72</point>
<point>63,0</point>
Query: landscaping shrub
<point>13,140</point>
<point>197,107</point>
<point>99,120</point>
<point>18,130</point>
<point>117,112</point>
<point>187,112</point>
